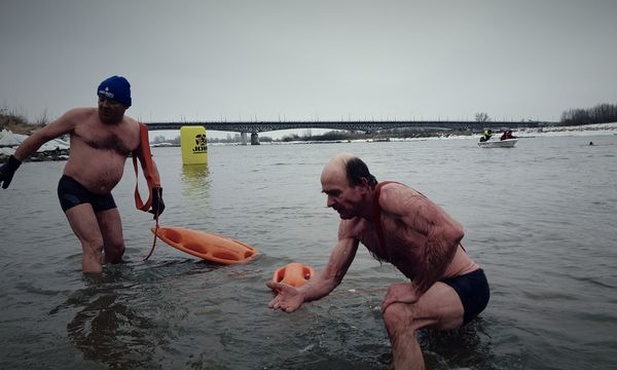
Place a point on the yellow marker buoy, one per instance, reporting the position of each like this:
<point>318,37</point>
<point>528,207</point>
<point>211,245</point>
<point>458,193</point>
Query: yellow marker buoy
<point>194,145</point>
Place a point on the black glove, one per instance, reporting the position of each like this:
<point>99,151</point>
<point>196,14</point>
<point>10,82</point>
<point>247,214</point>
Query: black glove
<point>158,206</point>
<point>8,170</point>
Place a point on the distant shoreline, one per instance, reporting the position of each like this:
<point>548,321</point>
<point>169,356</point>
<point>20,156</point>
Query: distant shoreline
<point>578,130</point>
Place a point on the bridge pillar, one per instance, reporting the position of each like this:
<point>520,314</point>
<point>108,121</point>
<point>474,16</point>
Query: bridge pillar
<point>254,139</point>
<point>243,138</point>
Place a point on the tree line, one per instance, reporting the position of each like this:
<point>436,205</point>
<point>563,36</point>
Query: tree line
<point>601,113</point>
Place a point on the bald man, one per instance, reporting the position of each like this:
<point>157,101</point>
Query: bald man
<point>399,225</point>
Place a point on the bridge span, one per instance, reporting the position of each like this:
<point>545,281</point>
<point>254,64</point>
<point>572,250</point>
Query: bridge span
<point>254,128</point>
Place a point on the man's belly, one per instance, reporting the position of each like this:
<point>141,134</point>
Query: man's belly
<point>98,178</point>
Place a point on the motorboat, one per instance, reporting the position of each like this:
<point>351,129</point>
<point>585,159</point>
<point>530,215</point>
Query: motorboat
<point>507,143</point>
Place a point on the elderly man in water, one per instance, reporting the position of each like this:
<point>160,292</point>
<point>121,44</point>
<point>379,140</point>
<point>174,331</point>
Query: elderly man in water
<point>399,225</point>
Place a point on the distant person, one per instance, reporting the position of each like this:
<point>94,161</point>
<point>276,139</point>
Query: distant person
<point>507,135</point>
<point>397,224</point>
<point>486,135</point>
<point>101,140</point>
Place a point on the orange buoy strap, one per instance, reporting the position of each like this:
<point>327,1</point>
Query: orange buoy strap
<point>156,227</point>
<point>151,176</point>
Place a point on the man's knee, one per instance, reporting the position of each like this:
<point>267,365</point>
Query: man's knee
<point>398,316</point>
<point>114,253</point>
<point>92,257</point>
<point>92,246</point>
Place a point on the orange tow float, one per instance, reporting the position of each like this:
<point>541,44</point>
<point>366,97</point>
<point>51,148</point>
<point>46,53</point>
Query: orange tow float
<point>294,274</point>
<point>209,246</point>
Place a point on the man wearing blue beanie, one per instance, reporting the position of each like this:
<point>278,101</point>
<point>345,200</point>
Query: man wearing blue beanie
<point>102,139</point>
<point>117,89</point>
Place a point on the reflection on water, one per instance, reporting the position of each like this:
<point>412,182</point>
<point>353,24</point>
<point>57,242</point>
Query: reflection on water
<point>195,188</point>
<point>470,346</point>
<point>110,330</point>
<point>195,179</point>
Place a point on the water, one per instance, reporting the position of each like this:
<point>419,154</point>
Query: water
<point>540,218</point>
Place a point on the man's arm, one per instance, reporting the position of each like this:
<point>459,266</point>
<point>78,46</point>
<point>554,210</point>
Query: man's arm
<point>432,234</point>
<point>321,284</point>
<point>443,235</point>
<point>32,143</point>
<point>144,155</point>
<point>325,281</point>
<point>150,170</point>
<point>63,125</point>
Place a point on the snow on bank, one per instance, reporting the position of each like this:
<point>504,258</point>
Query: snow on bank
<point>598,129</point>
<point>584,130</point>
<point>9,141</point>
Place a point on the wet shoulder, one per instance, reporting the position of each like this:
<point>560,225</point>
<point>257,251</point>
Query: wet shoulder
<point>77,116</point>
<point>396,198</point>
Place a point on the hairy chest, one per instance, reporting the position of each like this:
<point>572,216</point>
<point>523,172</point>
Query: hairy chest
<point>394,243</point>
<point>117,139</point>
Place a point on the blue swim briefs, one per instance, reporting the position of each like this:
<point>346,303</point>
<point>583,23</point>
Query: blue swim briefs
<point>473,290</point>
<point>71,193</point>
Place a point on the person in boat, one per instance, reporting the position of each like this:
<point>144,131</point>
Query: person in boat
<point>399,225</point>
<point>486,135</point>
<point>507,135</point>
<point>101,139</point>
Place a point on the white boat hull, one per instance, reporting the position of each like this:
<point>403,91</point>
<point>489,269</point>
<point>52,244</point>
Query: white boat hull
<point>508,143</point>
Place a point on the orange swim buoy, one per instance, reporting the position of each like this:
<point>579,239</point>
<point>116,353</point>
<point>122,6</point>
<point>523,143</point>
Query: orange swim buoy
<point>294,274</point>
<point>209,246</point>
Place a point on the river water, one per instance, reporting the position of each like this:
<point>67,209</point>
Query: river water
<point>540,218</point>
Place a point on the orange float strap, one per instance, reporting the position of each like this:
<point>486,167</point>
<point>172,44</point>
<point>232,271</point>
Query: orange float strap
<point>205,245</point>
<point>294,274</point>
<point>151,176</point>
<point>152,179</point>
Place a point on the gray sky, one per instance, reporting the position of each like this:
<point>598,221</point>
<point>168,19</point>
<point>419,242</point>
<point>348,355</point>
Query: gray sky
<point>311,60</point>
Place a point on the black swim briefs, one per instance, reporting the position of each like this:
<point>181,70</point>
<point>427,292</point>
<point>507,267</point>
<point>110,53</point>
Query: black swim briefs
<point>71,193</point>
<point>473,290</point>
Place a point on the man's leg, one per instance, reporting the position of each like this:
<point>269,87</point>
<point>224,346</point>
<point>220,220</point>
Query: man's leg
<point>439,308</point>
<point>86,228</point>
<point>113,239</point>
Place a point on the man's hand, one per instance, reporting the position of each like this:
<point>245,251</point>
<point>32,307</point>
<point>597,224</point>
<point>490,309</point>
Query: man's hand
<point>287,298</point>
<point>8,170</point>
<point>158,206</point>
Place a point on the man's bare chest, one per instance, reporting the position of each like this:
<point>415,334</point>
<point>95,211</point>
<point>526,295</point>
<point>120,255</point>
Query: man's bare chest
<point>391,240</point>
<point>117,141</point>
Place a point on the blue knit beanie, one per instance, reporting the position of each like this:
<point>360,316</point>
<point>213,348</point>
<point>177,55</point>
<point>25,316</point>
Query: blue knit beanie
<point>116,88</point>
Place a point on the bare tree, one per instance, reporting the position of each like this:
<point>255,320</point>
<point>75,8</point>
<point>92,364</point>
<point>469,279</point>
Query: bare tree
<point>482,117</point>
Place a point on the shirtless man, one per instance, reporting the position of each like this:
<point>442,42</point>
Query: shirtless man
<point>401,226</point>
<point>101,140</point>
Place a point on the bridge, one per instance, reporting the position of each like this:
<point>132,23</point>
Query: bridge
<point>254,128</point>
